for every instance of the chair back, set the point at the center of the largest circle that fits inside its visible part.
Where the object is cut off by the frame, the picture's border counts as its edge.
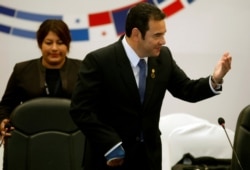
(45, 137)
(242, 141)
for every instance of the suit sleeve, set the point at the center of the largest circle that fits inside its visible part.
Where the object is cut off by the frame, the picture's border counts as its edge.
(11, 97)
(85, 100)
(184, 88)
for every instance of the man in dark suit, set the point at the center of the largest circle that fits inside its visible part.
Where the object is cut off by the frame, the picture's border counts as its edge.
(121, 128)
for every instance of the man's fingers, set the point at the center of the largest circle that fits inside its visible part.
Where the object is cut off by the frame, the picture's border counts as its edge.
(115, 162)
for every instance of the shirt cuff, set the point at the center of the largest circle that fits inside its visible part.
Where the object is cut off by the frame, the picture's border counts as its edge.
(216, 90)
(115, 152)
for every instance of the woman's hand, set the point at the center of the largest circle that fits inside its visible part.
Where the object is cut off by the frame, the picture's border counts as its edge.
(5, 128)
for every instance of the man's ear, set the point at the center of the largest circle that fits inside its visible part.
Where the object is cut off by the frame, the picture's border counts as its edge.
(136, 34)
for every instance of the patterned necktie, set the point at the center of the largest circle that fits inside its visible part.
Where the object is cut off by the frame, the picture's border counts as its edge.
(142, 78)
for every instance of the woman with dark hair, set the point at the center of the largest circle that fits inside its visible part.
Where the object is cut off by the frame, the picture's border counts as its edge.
(51, 75)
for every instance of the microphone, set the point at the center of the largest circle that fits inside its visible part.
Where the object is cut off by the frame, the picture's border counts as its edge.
(221, 122)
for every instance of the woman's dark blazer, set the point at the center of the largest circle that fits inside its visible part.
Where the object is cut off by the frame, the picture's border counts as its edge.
(27, 81)
(106, 102)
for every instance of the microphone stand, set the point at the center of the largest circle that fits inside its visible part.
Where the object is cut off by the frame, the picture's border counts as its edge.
(221, 122)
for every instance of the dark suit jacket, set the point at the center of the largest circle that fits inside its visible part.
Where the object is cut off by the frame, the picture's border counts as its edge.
(27, 81)
(106, 102)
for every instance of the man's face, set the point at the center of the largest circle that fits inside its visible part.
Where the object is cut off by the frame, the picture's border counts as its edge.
(154, 39)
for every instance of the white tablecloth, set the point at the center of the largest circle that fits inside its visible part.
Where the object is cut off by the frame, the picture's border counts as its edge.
(183, 133)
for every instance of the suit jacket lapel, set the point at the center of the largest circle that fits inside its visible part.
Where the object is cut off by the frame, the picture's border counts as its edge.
(126, 73)
(153, 70)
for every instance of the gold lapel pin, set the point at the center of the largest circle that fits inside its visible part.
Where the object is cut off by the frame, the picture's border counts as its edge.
(153, 73)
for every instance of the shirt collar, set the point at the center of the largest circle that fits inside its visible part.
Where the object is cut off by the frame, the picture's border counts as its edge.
(132, 56)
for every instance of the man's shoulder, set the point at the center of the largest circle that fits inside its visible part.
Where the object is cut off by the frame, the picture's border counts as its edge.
(117, 45)
(165, 49)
